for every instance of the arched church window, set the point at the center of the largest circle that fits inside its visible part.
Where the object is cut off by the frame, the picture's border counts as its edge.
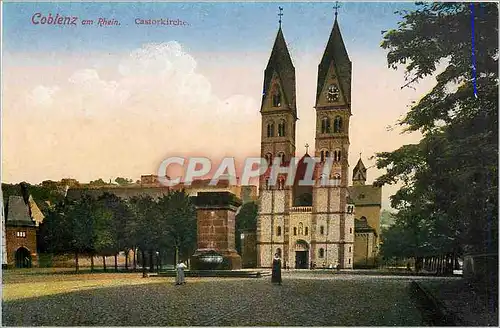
(322, 156)
(270, 129)
(337, 124)
(306, 231)
(322, 230)
(295, 231)
(321, 253)
(281, 128)
(278, 231)
(327, 154)
(349, 249)
(276, 98)
(336, 155)
(337, 179)
(301, 228)
(325, 125)
(269, 158)
(282, 156)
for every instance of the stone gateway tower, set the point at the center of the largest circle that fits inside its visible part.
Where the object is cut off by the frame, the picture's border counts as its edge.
(307, 225)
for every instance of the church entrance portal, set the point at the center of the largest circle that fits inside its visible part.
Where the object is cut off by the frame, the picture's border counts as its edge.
(301, 260)
(301, 254)
(23, 258)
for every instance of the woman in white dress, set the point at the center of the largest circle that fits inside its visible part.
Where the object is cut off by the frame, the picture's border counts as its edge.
(180, 280)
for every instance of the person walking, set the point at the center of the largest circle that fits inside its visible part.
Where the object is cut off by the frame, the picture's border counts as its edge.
(180, 278)
(276, 272)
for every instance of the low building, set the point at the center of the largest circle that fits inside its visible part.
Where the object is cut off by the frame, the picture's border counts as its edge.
(368, 201)
(365, 244)
(21, 231)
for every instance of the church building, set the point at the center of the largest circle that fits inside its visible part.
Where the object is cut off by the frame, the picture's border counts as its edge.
(311, 225)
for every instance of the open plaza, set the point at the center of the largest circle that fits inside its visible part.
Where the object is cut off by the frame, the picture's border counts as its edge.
(58, 298)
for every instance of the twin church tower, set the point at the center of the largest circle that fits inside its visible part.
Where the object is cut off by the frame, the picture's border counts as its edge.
(307, 225)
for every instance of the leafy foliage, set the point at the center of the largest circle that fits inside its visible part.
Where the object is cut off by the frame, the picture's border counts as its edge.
(246, 219)
(123, 181)
(449, 199)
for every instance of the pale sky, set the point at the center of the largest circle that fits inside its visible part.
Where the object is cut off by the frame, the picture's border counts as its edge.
(91, 102)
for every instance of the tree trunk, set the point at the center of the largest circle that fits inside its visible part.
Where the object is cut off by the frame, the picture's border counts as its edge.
(159, 262)
(151, 263)
(116, 263)
(104, 262)
(176, 255)
(135, 258)
(91, 262)
(143, 264)
(126, 259)
(76, 262)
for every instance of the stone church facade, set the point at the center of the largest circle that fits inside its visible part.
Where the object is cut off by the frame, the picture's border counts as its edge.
(309, 225)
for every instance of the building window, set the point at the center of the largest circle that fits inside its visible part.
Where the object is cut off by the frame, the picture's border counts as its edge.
(349, 249)
(322, 230)
(325, 125)
(278, 231)
(281, 155)
(321, 253)
(349, 261)
(269, 158)
(350, 230)
(307, 231)
(301, 228)
(337, 124)
(21, 234)
(327, 154)
(281, 129)
(336, 155)
(295, 231)
(270, 129)
(322, 156)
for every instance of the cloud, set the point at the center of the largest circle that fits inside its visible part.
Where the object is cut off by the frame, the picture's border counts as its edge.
(42, 96)
(154, 104)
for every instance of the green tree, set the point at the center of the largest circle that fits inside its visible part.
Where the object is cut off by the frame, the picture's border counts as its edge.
(81, 220)
(145, 216)
(98, 182)
(179, 223)
(246, 220)
(123, 181)
(56, 232)
(449, 198)
(116, 223)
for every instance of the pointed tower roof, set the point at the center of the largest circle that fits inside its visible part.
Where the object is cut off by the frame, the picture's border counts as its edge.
(281, 63)
(335, 51)
(359, 169)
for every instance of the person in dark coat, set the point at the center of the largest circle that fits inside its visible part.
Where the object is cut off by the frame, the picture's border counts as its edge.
(276, 273)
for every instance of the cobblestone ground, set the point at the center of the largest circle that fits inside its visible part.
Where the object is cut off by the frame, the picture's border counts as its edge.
(311, 300)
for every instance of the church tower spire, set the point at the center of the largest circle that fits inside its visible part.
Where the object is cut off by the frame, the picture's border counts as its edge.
(333, 111)
(278, 107)
(333, 104)
(359, 174)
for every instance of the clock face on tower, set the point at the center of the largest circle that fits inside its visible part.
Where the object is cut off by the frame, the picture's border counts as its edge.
(333, 93)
